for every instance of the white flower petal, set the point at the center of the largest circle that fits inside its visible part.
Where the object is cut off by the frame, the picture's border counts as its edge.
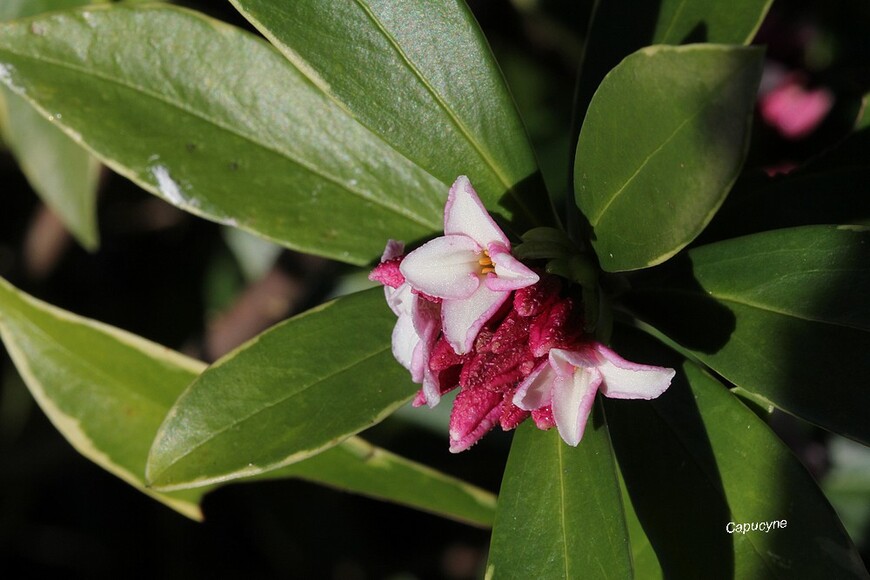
(426, 318)
(510, 273)
(462, 319)
(627, 380)
(465, 214)
(400, 300)
(405, 341)
(446, 267)
(536, 390)
(564, 362)
(573, 398)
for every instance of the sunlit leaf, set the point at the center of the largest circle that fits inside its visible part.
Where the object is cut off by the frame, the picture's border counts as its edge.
(217, 122)
(421, 76)
(362, 468)
(662, 144)
(108, 391)
(559, 510)
(293, 391)
(105, 390)
(12, 9)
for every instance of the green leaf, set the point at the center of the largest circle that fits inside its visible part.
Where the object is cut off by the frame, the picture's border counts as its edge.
(620, 27)
(782, 314)
(63, 174)
(12, 9)
(680, 22)
(421, 76)
(217, 122)
(108, 391)
(662, 144)
(295, 390)
(559, 511)
(105, 390)
(357, 466)
(696, 459)
(643, 556)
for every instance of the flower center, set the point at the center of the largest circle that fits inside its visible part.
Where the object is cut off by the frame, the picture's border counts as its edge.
(486, 263)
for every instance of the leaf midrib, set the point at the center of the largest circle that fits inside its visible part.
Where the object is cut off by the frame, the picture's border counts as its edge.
(749, 304)
(214, 434)
(562, 504)
(397, 209)
(454, 118)
(677, 13)
(713, 94)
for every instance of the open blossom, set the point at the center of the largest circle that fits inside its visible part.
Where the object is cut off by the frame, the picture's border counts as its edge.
(569, 380)
(470, 268)
(511, 339)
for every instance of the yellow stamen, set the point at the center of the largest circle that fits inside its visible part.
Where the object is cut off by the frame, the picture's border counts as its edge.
(486, 263)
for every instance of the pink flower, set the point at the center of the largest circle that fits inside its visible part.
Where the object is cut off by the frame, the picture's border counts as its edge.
(568, 381)
(792, 109)
(470, 267)
(418, 324)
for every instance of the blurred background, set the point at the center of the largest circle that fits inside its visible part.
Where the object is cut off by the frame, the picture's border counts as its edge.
(203, 289)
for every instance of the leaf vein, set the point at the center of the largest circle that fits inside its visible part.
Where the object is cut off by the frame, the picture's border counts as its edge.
(212, 435)
(454, 118)
(397, 209)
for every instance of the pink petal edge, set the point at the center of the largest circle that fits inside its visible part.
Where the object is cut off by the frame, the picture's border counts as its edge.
(463, 319)
(465, 214)
(624, 379)
(446, 267)
(510, 274)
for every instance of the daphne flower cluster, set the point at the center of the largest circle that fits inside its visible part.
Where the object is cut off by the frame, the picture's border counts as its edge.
(472, 316)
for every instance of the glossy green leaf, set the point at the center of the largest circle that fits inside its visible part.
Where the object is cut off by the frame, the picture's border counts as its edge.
(362, 468)
(620, 27)
(559, 510)
(108, 391)
(12, 9)
(295, 390)
(105, 390)
(421, 76)
(215, 121)
(662, 144)
(697, 462)
(62, 173)
(782, 314)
